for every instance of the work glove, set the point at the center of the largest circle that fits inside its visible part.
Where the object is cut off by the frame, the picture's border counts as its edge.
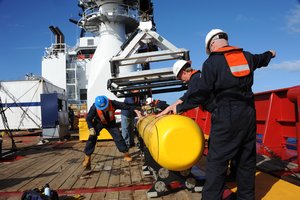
(92, 131)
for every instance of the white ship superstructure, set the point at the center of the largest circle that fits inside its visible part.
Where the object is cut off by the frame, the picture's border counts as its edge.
(85, 69)
(122, 42)
(67, 67)
(112, 21)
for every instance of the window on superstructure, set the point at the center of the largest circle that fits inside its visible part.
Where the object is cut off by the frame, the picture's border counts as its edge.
(90, 42)
(83, 94)
(71, 91)
(71, 76)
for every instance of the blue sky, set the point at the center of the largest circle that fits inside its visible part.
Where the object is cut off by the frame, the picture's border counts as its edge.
(254, 25)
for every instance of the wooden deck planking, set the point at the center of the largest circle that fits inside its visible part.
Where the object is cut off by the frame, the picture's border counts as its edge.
(60, 165)
(49, 174)
(114, 178)
(140, 194)
(136, 172)
(27, 159)
(105, 173)
(98, 195)
(112, 195)
(15, 167)
(10, 198)
(125, 178)
(97, 166)
(67, 169)
(28, 174)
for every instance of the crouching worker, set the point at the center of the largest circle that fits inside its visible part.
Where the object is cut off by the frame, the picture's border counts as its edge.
(102, 115)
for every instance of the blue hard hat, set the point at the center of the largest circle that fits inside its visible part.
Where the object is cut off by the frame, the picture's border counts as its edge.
(101, 102)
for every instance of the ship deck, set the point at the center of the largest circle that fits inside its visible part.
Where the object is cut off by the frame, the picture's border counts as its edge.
(59, 164)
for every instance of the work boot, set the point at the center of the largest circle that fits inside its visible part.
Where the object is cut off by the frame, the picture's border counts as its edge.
(87, 161)
(127, 157)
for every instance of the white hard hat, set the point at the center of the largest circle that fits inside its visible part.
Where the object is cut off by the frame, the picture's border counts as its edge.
(210, 35)
(178, 65)
(149, 100)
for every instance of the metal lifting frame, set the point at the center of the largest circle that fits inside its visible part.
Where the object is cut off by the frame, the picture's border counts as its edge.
(151, 81)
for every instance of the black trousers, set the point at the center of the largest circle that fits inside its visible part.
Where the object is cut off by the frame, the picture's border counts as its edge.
(232, 137)
(116, 135)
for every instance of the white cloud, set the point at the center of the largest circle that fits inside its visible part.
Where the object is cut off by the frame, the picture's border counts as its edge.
(293, 20)
(292, 66)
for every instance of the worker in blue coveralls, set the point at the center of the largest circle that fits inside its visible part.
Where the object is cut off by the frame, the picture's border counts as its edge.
(227, 75)
(183, 71)
(128, 121)
(102, 115)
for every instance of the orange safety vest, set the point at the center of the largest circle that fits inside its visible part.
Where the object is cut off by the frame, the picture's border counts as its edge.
(111, 113)
(236, 61)
(194, 72)
(136, 100)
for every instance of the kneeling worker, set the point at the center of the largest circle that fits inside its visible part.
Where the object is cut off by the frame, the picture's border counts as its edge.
(102, 115)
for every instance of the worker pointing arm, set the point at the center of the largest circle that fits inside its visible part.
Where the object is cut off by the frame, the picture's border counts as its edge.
(227, 75)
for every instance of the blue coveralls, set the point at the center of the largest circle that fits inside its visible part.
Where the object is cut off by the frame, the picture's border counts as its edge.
(233, 123)
(93, 121)
(192, 86)
(127, 121)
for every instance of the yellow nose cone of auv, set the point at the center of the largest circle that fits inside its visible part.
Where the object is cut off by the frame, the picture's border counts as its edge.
(175, 142)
